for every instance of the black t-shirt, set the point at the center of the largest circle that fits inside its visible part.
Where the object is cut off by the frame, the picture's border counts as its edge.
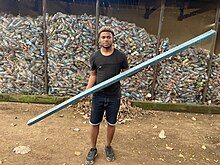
(107, 67)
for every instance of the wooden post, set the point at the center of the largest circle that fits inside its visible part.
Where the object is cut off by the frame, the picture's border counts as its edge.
(212, 51)
(45, 48)
(97, 25)
(156, 67)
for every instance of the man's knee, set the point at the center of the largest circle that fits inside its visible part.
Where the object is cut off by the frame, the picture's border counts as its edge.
(111, 124)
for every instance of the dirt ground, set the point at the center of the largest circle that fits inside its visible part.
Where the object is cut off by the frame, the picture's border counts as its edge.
(190, 138)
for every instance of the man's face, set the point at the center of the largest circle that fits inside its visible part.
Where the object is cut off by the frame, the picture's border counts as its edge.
(106, 39)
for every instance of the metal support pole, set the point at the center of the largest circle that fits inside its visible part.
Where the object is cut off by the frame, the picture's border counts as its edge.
(97, 24)
(212, 51)
(45, 48)
(138, 4)
(156, 67)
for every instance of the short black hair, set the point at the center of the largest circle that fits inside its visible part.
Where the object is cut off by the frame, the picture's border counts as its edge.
(105, 29)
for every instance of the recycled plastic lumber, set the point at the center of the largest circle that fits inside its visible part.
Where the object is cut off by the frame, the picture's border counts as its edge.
(123, 75)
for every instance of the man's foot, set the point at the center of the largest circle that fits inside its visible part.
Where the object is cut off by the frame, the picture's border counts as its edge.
(110, 156)
(91, 156)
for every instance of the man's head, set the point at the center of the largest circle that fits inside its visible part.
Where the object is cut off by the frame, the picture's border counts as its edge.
(106, 36)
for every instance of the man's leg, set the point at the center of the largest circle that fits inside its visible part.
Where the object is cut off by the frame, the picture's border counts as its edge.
(111, 117)
(94, 132)
(95, 120)
(110, 134)
(110, 156)
(181, 9)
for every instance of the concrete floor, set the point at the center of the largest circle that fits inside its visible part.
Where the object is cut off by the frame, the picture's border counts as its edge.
(176, 31)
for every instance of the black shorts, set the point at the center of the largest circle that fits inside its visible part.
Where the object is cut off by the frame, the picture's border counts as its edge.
(108, 104)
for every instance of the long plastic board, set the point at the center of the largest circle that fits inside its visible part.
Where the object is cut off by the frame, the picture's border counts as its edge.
(123, 75)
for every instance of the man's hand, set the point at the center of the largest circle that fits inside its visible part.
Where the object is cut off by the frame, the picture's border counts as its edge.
(92, 80)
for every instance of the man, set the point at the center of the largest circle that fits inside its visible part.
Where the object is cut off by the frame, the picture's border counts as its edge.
(105, 63)
(182, 4)
(150, 7)
(105, 7)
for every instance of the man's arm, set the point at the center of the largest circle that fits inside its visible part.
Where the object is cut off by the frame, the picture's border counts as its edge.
(125, 65)
(123, 70)
(92, 79)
